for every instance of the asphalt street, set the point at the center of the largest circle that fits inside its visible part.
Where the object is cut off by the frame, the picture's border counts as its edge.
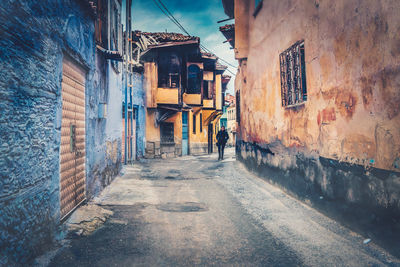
(197, 211)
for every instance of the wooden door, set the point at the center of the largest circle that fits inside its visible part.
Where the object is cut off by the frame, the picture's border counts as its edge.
(72, 150)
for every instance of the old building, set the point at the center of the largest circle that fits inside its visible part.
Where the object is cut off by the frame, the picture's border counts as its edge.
(231, 123)
(318, 98)
(60, 124)
(133, 143)
(184, 95)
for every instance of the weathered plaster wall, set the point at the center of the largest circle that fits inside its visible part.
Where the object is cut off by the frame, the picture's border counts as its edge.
(138, 93)
(34, 36)
(150, 83)
(33, 39)
(352, 64)
(198, 142)
(103, 135)
(353, 80)
(218, 92)
(154, 148)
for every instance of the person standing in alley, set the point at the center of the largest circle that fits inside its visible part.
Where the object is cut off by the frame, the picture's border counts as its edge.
(222, 138)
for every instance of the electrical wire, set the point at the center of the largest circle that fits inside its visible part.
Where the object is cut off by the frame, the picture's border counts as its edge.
(169, 15)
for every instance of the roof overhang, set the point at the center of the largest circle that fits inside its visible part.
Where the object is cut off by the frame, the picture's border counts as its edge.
(169, 44)
(229, 33)
(229, 8)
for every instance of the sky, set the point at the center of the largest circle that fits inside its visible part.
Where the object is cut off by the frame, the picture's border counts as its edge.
(198, 17)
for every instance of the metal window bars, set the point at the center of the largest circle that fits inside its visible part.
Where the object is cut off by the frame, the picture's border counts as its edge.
(293, 80)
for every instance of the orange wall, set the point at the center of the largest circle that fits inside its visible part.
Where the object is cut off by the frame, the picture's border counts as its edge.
(353, 78)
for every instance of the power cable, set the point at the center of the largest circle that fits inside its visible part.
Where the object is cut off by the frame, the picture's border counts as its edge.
(169, 15)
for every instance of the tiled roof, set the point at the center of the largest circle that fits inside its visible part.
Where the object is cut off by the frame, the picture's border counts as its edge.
(226, 28)
(163, 37)
(220, 66)
(206, 54)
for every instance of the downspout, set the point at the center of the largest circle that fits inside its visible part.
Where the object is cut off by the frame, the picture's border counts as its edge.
(124, 78)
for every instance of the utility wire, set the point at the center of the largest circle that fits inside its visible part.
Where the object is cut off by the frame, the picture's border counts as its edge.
(169, 15)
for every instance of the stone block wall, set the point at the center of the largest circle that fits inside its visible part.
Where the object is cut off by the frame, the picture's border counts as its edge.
(198, 148)
(34, 38)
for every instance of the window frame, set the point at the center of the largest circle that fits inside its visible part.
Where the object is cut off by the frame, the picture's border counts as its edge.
(169, 139)
(293, 75)
(164, 70)
(199, 79)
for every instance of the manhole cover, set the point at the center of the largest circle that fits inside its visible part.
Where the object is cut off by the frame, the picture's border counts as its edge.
(182, 207)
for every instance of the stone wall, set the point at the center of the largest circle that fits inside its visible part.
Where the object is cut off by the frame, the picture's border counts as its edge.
(198, 148)
(34, 38)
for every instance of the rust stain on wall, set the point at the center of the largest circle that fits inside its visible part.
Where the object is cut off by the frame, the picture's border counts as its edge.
(346, 104)
(367, 86)
(389, 84)
(326, 116)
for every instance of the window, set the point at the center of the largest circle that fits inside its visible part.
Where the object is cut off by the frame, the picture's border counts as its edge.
(293, 75)
(208, 89)
(116, 32)
(168, 70)
(167, 133)
(194, 123)
(194, 79)
(238, 107)
(201, 122)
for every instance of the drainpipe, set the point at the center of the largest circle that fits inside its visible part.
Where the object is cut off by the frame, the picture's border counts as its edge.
(125, 78)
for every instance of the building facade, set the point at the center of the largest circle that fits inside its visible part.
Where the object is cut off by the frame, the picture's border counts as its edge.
(60, 87)
(317, 94)
(231, 123)
(184, 92)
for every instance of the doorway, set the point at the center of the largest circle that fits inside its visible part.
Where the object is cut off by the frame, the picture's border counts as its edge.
(185, 133)
(210, 138)
(72, 146)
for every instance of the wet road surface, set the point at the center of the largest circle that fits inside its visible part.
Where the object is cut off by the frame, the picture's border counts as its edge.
(198, 211)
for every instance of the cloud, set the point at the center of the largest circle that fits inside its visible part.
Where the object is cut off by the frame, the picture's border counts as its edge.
(199, 18)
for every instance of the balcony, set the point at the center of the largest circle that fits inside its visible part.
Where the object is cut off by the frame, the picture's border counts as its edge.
(167, 96)
(192, 99)
(208, 103)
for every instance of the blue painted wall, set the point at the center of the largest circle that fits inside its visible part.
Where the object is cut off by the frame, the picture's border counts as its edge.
(137, 100)
(34, 36)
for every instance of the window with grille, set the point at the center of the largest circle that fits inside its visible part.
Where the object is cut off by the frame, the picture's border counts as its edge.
(167, 133)
(293, 75)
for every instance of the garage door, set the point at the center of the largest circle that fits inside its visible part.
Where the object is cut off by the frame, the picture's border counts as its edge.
(72, 151)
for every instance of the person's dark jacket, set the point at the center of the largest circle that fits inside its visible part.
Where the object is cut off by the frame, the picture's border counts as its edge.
(222, 137)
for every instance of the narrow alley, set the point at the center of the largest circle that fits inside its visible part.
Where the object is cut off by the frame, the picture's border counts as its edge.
(199, 211)
(115, 114)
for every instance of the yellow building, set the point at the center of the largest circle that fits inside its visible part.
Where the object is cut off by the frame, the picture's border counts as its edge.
(184, 95)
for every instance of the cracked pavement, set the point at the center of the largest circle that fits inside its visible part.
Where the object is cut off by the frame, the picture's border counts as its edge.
(198, 211)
